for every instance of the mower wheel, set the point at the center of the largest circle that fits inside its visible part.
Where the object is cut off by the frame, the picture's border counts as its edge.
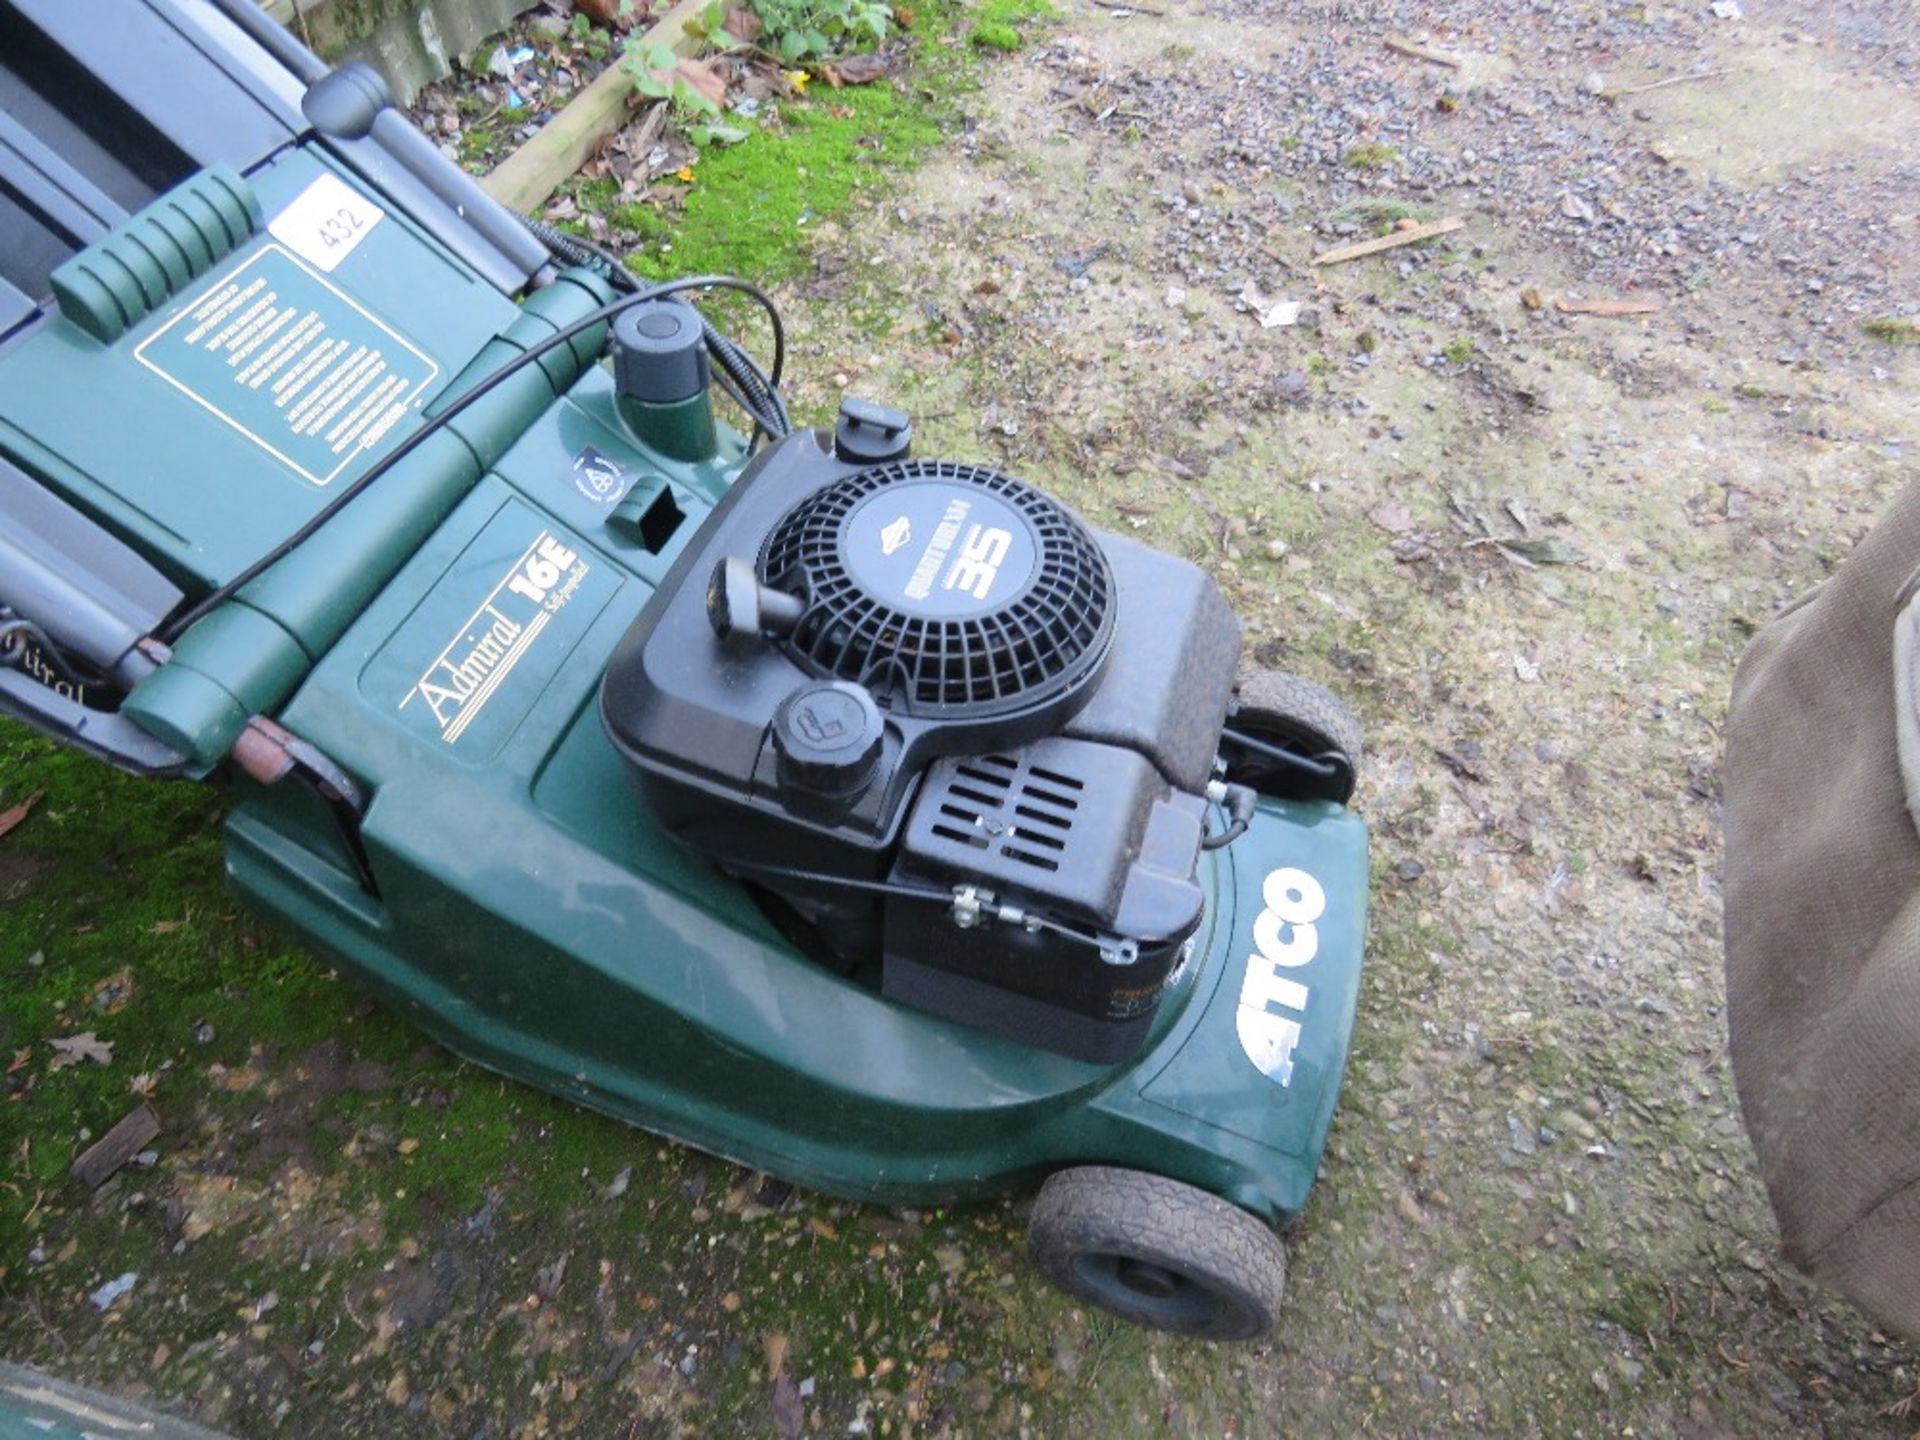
(1283, 712)
(1158, 1253)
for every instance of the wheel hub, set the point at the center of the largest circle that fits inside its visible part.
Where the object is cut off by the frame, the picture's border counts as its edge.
(1145, 1278)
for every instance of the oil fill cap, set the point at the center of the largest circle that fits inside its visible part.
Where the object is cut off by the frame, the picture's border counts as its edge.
(828, 735)
(869, 433)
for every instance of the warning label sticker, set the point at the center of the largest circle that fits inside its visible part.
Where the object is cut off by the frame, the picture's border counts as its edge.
(292, 363)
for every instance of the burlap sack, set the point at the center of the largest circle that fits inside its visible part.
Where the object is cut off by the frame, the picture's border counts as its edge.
(1823, 920)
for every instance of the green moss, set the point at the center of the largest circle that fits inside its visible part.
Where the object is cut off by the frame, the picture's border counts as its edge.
(751, 208)
(997, 23)
(1382, 214)
(118, 923)
(1894, 330)
(1459, 350)
(1370, 155)
(1016, 12)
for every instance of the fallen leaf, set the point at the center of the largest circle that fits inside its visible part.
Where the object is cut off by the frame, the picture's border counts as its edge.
(546, 1284)
(856, 70)
(144, 1084)
(213, 1203)
(789, 1413)
(1392, 517)
(775, 1347)
(1532, 298)
(702, 78)
(824, 1229)
(111, 995)
(730, 1301)
(11, 817)
(74, 1049)
(743, 25)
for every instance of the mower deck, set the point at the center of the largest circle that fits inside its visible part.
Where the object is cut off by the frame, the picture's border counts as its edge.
(528, 913)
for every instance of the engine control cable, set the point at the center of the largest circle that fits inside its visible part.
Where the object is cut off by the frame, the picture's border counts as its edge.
(738, 375)
(967, 904)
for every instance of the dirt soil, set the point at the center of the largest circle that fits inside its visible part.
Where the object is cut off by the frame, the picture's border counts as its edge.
(1527, 546)
(1539, 1214)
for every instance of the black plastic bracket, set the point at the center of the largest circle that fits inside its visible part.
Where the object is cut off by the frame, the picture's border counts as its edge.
(869, 433)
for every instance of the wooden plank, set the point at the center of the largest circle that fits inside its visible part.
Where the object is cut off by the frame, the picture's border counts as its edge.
(1412, 235)
(1400, 45)
(1686, 79)
(523, 181)
(1567, 305)
(106, 1155)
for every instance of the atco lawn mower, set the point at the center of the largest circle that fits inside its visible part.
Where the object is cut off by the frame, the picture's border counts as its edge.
(862, 817)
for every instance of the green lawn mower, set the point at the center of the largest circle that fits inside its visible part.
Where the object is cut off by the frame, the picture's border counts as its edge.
(861, 817)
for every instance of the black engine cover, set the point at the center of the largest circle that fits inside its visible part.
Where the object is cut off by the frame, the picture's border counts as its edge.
(1044, 703)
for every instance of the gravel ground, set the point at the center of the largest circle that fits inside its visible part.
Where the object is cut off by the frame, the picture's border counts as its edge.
(1539, 1214)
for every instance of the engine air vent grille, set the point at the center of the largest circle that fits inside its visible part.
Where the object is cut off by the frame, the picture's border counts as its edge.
(944, 588)
(992, 803)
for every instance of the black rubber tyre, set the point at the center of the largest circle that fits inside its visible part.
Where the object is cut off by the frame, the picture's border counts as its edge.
(1158, 1253)
(1293, 714)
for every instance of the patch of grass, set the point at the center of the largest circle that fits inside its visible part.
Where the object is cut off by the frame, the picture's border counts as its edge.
(1894, 330)
(119, 924)
(751, 206)
(1370, 155)
(1382, 214)
(999, 22)
(1459, 350)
